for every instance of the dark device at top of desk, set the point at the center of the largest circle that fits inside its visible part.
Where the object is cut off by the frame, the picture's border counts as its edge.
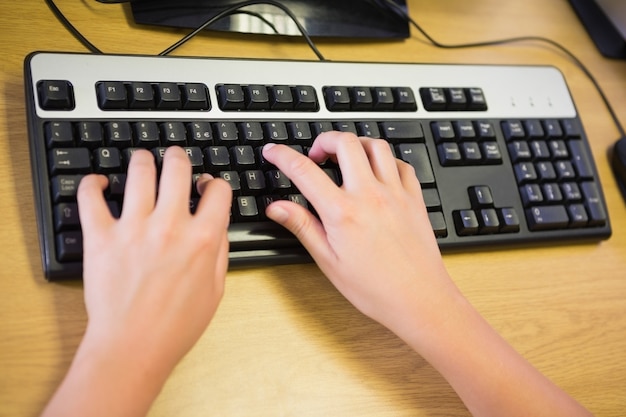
(605, 20)
(321, 18)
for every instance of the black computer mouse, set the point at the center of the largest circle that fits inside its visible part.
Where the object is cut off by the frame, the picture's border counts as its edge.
(618, 162)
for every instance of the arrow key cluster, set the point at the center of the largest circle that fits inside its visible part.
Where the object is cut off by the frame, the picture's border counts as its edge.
(484, 217)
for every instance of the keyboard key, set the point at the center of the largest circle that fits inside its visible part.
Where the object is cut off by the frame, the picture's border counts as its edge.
(112, 95)
(233, 179)
(491, 152)
(59, 134)
(434, 99)
(456, 99)
(276, 132)
(593, 202)
(581, 161)
(402, 131)
(168, 96)
(226, 133)
(217, 158)
(466, 222)
(488, 221)
(416, 155)
(449, 154)
(476, 99)
(578, 215)
(230, 97)
(443, 131)
(253, 182)
(362, 98)
(281, 97)
(69, 161)
(246, 208)
(431, 199)
(513, 129)
(141, 96)
(305, 98)
(509, 220)
(173, 133)
(300, 132)
(66, 216)
(89, 134)
(337, 98)
(65, 187)
(243, 157)
(55, 95)
(383, 98)
(278, 182)
(369, 129)
(404, 99)
(69, 246)
(118, 134)
(256, 97)
(107, 160)
(480, 196)
(194, 97)
(547, 218)
(438, 223)
(251, 133)
(146, 135)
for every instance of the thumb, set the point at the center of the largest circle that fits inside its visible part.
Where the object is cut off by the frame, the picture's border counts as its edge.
(303, 224)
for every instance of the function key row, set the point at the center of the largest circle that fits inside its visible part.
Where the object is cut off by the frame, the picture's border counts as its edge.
(118, 95)
(342, 98)
(238, 97)
(453, 99)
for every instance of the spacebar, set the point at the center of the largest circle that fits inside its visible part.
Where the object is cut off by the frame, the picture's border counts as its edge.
(260, 235)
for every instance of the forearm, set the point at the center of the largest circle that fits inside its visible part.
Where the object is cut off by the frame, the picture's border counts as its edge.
(109, 380)
(490, 377)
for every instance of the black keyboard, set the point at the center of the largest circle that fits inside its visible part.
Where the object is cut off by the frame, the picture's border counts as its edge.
(500, 151)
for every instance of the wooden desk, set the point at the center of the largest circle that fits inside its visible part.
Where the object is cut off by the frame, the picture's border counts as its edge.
(284, 343)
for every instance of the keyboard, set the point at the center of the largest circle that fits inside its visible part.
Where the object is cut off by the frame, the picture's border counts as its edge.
(500, 151)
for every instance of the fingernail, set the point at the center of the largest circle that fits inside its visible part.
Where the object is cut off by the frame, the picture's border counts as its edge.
(202, 181)
(268, 146)
(277, 213)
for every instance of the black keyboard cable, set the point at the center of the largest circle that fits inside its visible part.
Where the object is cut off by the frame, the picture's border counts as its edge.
(234, 9)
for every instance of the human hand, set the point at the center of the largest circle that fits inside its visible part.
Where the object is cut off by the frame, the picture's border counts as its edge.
(373, 239)
(154, 277)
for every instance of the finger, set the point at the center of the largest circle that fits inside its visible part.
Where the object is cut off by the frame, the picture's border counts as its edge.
(202, 182)
(304, 225)
(351, 156)
(175, 182)
(313, 183)
(411, 184)
(382, 161)
(215, 202)
(140, 188)
(93, 210)
(408, 177)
